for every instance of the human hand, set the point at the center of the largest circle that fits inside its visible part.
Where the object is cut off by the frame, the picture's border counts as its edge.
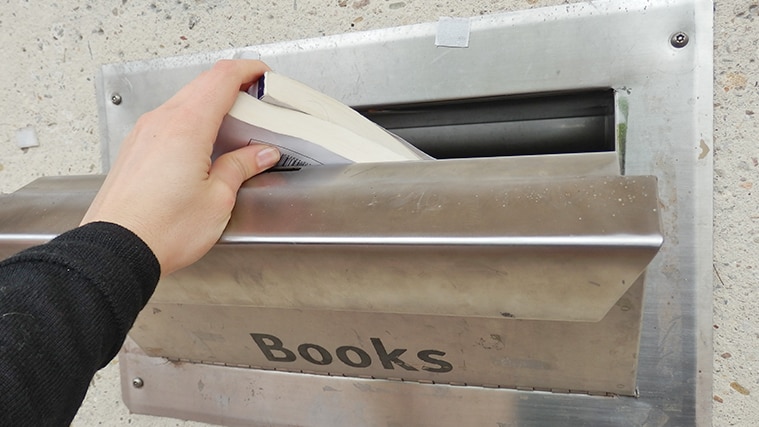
(163, 185)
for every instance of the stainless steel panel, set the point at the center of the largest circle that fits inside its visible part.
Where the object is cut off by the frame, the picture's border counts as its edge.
(453, 350)
(664, 129)
(456, 237)
(234, 396)
(512, 239)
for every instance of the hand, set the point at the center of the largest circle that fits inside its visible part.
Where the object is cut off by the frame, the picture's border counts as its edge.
(163, 185)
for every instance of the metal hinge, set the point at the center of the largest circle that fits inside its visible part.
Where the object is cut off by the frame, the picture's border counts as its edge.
(400, 379)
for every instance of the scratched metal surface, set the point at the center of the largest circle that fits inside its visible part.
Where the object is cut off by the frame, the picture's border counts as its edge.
(666, 132)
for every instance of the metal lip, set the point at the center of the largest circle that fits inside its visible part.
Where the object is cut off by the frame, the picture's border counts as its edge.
(621, 240)
(24, 237)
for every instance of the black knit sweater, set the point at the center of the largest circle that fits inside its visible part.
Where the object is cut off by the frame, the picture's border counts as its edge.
(65, 309)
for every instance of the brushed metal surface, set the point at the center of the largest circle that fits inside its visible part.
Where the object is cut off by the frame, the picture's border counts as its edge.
(234, 396)
(517, 274)
(563, 356)
(463, 237)
(455, 237)
(664, 129)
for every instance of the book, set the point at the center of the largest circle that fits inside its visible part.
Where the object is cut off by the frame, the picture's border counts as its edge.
(307, 126)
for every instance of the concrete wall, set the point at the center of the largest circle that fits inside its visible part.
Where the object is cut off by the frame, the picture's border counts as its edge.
(51, 52)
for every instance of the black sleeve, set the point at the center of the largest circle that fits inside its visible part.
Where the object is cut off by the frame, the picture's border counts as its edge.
(65, 309)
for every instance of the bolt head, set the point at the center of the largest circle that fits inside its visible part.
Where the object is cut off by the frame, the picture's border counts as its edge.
(137, 382)
(679, 39)
(116, 99)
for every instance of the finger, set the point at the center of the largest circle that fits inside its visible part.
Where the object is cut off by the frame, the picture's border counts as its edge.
(237, 166)
(214, 91)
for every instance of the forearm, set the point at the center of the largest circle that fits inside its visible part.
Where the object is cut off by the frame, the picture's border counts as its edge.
(65, 309)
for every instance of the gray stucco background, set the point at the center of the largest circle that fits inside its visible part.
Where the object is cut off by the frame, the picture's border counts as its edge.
(51, 52)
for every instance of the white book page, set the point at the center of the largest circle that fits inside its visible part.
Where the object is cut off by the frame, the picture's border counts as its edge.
(285, 92)
(295, 152)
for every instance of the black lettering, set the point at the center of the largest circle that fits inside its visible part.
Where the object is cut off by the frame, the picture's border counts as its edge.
(388, 359)
(274, 350)
(342, 354)
(326, 358)
(425, 356)
(274, 344)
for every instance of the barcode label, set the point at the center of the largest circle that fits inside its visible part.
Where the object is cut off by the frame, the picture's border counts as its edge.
(288, 160)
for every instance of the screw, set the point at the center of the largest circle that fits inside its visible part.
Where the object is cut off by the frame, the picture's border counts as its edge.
(679, 40)
(116, 99)
(137, 382)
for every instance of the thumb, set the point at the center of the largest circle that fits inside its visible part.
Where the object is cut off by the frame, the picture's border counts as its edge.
(237, 166)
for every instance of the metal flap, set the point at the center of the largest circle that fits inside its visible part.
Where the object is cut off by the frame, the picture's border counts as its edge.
(469, 237)
(457, 237)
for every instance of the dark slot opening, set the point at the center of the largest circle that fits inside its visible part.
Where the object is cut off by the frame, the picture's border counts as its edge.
(553, 123)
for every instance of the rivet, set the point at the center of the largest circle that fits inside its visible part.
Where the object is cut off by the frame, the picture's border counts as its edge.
(116, 99)
(137, 382)
(679, 39)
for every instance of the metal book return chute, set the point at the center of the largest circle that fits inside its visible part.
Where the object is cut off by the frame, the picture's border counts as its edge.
(550, 268)
(475, 245)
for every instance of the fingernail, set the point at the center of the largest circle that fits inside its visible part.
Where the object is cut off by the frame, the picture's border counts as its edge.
(267, 157)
